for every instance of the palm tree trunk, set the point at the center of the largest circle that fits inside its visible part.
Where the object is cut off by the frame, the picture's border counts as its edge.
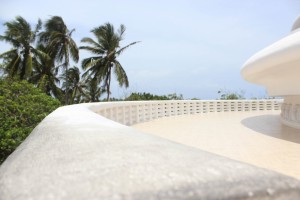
(67, 86)
(108, 84)
(24, 65)
(108, 89)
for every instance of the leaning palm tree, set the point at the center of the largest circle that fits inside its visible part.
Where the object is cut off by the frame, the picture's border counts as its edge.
(106, 49)
(60, 44)
(19, 59)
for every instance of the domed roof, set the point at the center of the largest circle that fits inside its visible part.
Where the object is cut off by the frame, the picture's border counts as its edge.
(296, 24)
(277, 66)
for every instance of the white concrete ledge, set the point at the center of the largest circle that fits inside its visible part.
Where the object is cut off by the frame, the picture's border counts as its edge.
(75, 153)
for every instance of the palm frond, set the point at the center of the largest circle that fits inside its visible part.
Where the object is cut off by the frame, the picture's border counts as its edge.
(9, 53)
(41, 54)
(92, 42)
(123, 48)
(121, 74)
(89, 62)
(11, 40)
(13, 66)
(73, 49)
(121, 31)
(56, 23)
(38, 27)
(92, 49)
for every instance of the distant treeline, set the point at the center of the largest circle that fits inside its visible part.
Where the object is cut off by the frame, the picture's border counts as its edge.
(139, 96)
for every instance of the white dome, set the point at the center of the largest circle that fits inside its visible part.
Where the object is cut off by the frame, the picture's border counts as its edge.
(296, 24)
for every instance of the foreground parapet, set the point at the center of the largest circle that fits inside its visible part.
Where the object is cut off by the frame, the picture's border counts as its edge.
(75, 154)
(277, 67)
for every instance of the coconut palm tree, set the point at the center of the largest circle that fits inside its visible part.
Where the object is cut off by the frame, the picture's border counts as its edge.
(19, 59)
(92, 91)
(75, 85)
(106, 49)
(45, 73)
(60, 44)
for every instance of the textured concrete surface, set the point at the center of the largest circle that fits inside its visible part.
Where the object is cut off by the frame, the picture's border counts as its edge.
(77, 154)
(257, 138)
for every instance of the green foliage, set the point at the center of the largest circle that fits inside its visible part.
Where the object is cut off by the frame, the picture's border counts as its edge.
(60, 46)
(106, 49)
(21, 36)
(226, 95)
(92, 91)
(175, 96)
(73, 85)
(45, 74)
(148, 97)
(39, 54)
(22, 107)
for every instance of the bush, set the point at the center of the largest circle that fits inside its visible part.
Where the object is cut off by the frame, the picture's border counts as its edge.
(227, 95)
(148, 97)
(22, 107)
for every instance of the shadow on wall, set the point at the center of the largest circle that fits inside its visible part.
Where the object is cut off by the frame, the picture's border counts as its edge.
(270, 125)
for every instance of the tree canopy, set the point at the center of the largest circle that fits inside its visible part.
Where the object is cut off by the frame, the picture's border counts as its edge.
(19, 59)
(43, 56)
(106, 49)
(22, 107)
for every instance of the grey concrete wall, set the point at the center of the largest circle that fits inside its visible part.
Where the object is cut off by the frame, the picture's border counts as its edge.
(77, 154)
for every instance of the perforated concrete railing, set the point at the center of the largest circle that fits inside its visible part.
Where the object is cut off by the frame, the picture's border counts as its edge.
(129, 113)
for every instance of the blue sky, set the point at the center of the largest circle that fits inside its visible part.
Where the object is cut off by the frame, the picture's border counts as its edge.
(191, 47)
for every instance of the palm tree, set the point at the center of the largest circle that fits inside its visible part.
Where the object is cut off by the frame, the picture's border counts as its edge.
(60, 44)
(19, 59)
(45, 74)
(75, 85)
(92, 91)
(106, 50)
